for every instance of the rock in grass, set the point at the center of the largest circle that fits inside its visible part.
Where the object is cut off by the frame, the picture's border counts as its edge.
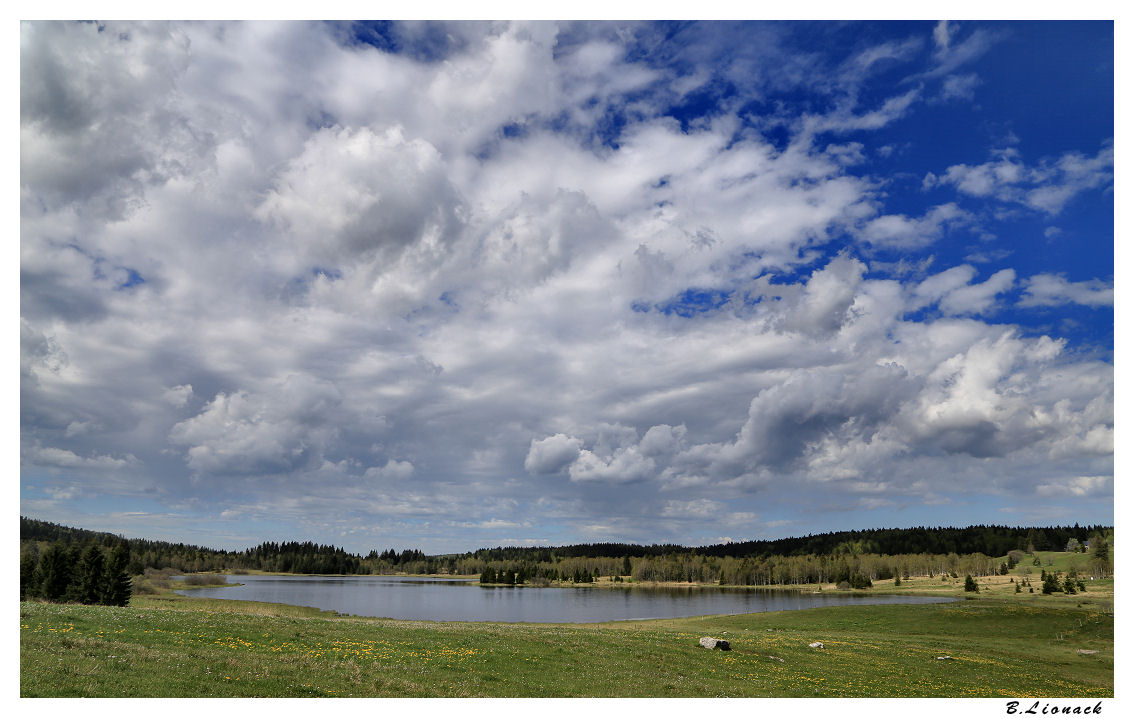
(1086, 652)
(711, 643)
(817, 644)
(944, 658)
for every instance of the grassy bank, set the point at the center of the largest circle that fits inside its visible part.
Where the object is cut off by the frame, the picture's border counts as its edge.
(167, 645)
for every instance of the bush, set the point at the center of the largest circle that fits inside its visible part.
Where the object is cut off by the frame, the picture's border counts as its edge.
(142, 586)
(201, 579)
(843, 586)
(971, 585)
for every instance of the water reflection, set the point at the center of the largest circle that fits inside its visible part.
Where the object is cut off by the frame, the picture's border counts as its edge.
(438, 599)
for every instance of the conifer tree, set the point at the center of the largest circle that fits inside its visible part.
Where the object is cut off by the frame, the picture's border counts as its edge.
(54, 573)
(116, 588)
(1050, 584)
(73, 557)
(970, 584)
(89, 576)
(28, 563)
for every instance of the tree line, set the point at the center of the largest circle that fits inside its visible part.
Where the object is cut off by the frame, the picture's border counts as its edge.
(857, 557)
(74, 572)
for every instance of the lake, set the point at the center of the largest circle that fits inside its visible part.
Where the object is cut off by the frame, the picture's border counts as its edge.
(440, 599)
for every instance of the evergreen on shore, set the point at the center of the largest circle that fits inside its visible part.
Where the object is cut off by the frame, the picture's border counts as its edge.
(74, 573)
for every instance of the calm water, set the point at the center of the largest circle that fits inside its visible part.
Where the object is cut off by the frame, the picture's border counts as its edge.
(434, 599)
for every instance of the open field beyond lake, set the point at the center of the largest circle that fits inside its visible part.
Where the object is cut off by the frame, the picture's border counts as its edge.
(171, 646)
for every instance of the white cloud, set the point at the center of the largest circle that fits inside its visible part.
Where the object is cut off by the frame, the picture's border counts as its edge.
(900, 231)
(827, 298)
(56, 458)
(625, 464)
(552, 454)
(977, 298)
(1045, 290)
(276, 432)
(960, 87)
(1046, 187)
(393, 469)
(295, 275)
(178, 396)
(694, 509)
(355, 196)
(1076, 486)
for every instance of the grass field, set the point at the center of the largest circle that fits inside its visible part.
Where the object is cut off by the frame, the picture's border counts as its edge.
(1000, 645)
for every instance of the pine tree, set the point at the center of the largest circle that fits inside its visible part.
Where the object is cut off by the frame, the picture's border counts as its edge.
(90, 575)
(74, 556)
(116, 587)
(54, 573)
(1050, 584)
(970, 584)
(28, 563)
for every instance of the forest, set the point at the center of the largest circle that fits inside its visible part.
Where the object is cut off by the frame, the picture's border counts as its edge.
(856, 557)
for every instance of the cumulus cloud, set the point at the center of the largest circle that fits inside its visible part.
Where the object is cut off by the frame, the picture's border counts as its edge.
(552, 454)
(625, 464)
(954, 293)
(1052, 290)
(495, 280)
(823, 305)
(900, 231)
(276, 432)
(1046, 187)
(393, 469)
(353, 196)
(1077, 486)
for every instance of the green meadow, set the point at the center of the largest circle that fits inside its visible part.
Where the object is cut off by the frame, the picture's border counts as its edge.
(997, 644)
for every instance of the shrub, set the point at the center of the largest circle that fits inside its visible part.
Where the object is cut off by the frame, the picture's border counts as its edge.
(202, 579)
(142, 586)
(971, 585)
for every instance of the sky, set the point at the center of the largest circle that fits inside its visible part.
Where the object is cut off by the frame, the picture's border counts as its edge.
(452, 285)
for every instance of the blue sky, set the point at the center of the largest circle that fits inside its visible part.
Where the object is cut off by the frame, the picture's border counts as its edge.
(454, 285)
